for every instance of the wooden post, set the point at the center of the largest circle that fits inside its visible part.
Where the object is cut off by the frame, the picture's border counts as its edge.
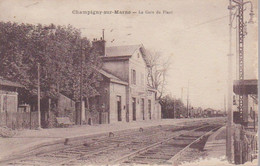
(30, 119)
(39, 97)
(49, 109)
(254, 120)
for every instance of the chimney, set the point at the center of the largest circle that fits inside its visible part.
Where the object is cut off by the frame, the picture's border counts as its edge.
(99, 46)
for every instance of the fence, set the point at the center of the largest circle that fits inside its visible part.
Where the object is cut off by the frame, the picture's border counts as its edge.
(246, 149)
(18, 120)
(94, 117)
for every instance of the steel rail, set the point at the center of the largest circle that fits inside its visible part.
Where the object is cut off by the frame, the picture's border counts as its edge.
(121, 136)
(174, 159)
(136, 153)
(112, 147)
(67, 147)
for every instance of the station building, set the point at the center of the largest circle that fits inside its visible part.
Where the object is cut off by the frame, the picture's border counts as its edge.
(124, 92)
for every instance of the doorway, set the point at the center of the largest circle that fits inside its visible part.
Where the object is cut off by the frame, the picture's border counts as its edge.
(142, 108)
(150, 109)
(119, 110)
(134, 108)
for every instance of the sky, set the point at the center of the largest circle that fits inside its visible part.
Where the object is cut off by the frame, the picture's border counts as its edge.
(194, 33)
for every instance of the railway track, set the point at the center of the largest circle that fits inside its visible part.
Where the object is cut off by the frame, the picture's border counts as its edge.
(163, 152)
(122, 147)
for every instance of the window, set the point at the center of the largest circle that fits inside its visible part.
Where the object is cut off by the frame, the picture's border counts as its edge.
(133, 77)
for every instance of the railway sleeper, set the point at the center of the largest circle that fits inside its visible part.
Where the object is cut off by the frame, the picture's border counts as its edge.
(24, 163)
(56, 156)
(36, 160)
(156, 156)
(137, 162)
(73, 152)
(146, 160)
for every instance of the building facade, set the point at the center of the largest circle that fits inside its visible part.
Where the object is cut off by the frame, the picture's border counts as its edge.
(129, 98)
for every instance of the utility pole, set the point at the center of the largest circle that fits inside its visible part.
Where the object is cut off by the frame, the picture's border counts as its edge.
(103, 34)
(174, 105)
(241, 54)
(39, 96)
(241, 34)
(81, 82)
(229, 149)
(225, 109)
(182, 94)
(188, 99)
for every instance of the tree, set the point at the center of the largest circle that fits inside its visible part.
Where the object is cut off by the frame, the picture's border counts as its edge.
(157, 71)
(172, 107)
(58, 49)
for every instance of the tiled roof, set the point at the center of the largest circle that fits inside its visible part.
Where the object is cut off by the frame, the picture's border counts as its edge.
(112, 77)
(9, 83)
(124, 52)
(121, 50)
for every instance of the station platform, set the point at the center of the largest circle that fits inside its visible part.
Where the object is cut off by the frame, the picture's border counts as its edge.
(27, 140)
(215, 149)
(216, 144)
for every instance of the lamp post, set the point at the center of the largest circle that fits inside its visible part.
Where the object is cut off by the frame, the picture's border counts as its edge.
(239, 5)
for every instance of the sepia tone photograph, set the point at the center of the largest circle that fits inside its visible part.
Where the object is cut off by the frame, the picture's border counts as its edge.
(134, 82)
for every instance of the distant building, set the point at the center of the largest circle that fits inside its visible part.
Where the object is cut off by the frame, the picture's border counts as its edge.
(124, 91)
(8, 95)
(11, 115)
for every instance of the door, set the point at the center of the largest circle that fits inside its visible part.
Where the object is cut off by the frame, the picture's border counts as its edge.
(119, 111)
(134, 108)
(150, 109)
(142, 108)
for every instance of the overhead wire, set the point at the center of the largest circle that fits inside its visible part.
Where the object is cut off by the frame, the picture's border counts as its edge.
(209, 21)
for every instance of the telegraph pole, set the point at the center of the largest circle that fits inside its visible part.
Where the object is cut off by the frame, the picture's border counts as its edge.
(182, 94)
(103, 34)
(188, 99)
(81, 82)
(225, 105)
(39, 95)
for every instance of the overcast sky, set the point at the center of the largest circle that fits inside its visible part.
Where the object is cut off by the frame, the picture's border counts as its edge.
(195, 35)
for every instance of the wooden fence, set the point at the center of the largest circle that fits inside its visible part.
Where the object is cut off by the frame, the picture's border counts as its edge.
(19, 120)
(246, 149)
(94, 117)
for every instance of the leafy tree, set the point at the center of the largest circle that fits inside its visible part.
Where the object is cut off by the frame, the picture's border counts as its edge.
(172, 108)
(61, 52)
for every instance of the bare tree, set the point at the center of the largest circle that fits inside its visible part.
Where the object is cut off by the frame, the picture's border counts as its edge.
(158, 66)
